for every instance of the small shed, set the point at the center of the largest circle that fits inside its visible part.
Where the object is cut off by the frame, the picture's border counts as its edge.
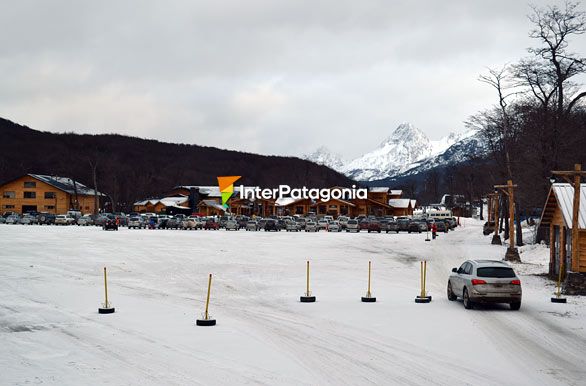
(557, 216)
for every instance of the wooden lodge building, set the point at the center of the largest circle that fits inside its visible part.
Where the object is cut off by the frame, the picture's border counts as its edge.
(557, 216)
(206, 201)
(51, 194)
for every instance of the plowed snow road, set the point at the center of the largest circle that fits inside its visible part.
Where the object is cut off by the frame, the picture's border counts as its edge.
(51, 333)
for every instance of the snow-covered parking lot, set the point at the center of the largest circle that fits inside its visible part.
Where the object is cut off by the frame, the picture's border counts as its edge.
(51, 285)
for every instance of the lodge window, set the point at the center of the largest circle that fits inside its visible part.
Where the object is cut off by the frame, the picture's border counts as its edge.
(299, 210)
(49, 206)
(9, 194)
(30, 184)
(322, 209)
(50, 195)
(30, 195)
(7, 206)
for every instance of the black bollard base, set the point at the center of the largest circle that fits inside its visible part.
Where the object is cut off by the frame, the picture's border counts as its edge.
(205, 322)
(368, 299)
(558, 300)
(423, 299)
(106, 310)
(307, 299)
(496, 239)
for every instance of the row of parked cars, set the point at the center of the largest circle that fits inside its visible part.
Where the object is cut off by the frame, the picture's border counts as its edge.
(291, 223)
(70, 218)
(284, 223)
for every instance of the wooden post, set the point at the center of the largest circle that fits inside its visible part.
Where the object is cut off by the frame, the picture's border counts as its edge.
(511, 214)
(208, 297)
(552, 250)
(562, 262)
(496, 214)
(575, 225)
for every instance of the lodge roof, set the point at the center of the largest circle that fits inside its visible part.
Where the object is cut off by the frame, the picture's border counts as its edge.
(401, 203)
(562, 194)
(66, 184)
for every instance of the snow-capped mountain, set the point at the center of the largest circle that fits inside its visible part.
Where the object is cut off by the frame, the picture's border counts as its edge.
(323, 156)
(406, 151)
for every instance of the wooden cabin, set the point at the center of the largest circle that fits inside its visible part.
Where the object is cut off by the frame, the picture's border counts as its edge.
(334, 207)
(557, 216)
(50, 194)
(402, 206)
(293, 206)
(161, 205)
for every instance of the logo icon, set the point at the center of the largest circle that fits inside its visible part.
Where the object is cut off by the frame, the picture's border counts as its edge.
(226, 185)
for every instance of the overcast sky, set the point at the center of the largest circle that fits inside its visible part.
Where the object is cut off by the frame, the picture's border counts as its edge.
(272, 77)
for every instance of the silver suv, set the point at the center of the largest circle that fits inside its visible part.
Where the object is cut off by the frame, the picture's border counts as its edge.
(485, 281)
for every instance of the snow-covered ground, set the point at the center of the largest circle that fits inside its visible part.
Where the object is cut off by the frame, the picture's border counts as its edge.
(51, 286)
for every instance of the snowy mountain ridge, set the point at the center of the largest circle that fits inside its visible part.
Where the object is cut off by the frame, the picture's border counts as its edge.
(405, 151)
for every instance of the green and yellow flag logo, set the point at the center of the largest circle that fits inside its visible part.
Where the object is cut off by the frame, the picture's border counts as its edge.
(226, 185)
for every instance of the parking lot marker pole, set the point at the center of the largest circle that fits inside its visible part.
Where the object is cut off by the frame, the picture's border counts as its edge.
(423, 298)
(307, 298)
(558, 298)
(369, 298)
(368, 292)
(206, 321)
(106, 309)
(208, 297)
(105, 288)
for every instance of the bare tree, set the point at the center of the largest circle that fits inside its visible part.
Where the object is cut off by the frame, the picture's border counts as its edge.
(549, 73)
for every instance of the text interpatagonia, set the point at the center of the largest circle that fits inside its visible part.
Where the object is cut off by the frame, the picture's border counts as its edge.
(285, 191)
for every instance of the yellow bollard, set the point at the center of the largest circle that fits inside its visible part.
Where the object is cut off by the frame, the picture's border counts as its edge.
(307, 298)
(369, 298)
(423, 297)
(558, 298)
(106, 309)
(206, 321)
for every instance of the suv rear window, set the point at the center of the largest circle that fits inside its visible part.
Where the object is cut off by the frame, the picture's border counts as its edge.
(503, 272)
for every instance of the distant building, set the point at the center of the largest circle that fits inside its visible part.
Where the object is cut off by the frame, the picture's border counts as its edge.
(51, 194)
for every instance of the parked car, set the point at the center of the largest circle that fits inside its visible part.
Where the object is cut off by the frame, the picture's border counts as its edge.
(392, 226)
(211, 224)
(374, 226)
(272, 225)
(343, 221)
(485, 281)
(135, 222)
(28, 219)
(174, 223)
(352, 226)
(441, 226)
(417, 226)
(311, 226)
(403, 223)
(46, 218)
(242, 221)
(232, 225)
(110, 224)
(451, 222)
(64, 219)
(252, 226)
(85, 220)
(292, 226)
(2, 220)
(301, 221)
(334, 226)
(191, 223)
(13, 219)
(323, 224)
(261, 223)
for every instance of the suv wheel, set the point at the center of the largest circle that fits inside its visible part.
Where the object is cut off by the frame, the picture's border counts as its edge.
(468, 304)
(451, 295)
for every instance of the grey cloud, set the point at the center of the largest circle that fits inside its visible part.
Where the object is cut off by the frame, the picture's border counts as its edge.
(276, 77)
